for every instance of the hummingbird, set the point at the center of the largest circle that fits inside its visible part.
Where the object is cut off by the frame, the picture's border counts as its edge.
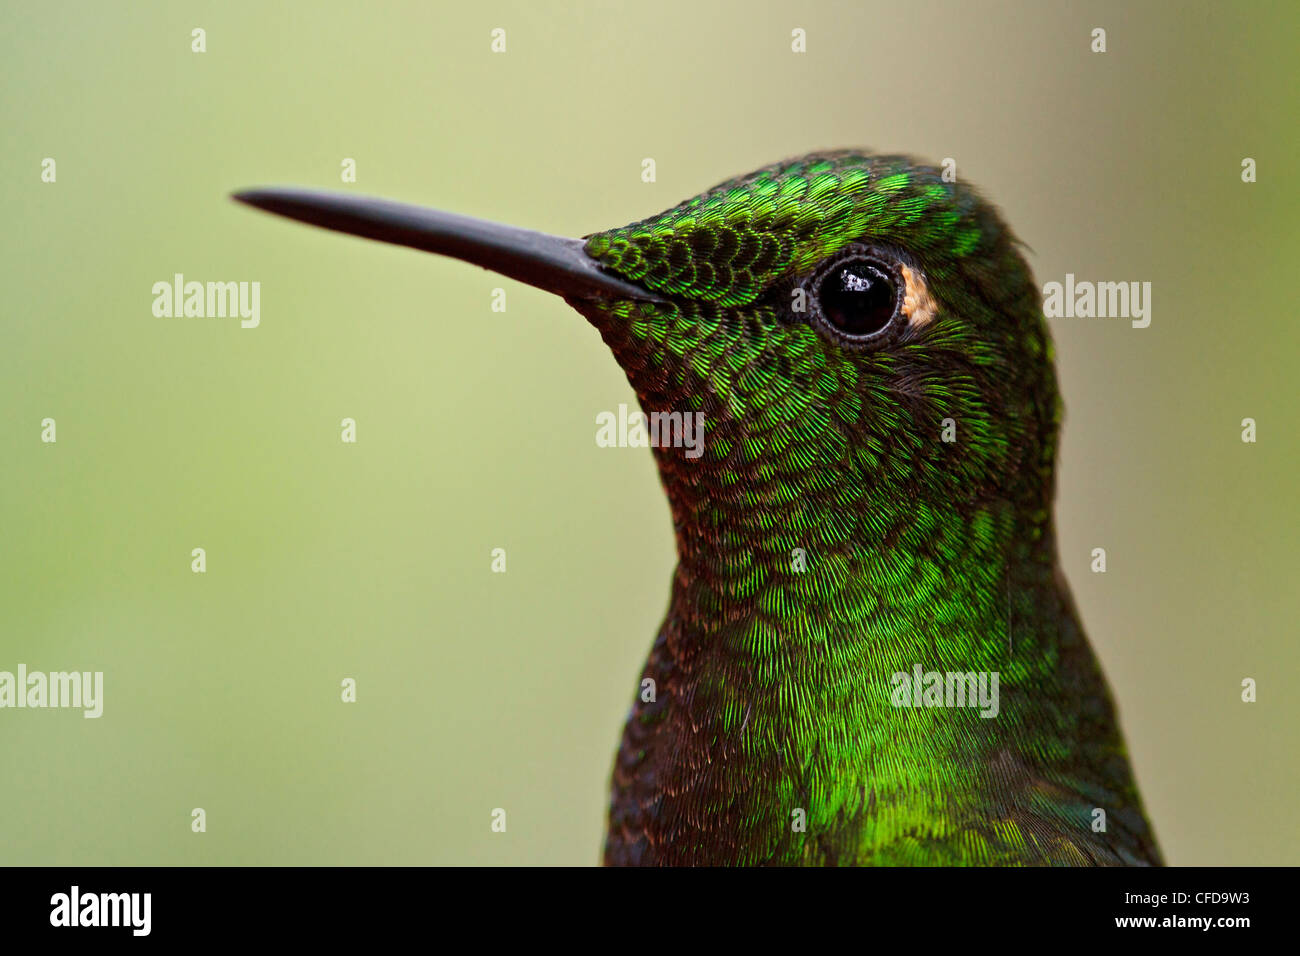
(870, 655)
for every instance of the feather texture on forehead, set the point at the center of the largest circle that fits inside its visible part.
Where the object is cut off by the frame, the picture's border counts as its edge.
(733, 242)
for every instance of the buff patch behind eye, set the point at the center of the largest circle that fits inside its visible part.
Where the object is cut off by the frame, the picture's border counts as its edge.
(919, 306)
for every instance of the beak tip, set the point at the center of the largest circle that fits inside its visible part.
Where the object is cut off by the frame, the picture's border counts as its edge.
(257, 198)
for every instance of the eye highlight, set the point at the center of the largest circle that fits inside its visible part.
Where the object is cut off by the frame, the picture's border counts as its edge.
(857, 299)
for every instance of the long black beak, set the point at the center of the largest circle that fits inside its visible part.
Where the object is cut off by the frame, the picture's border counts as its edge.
(552, 263)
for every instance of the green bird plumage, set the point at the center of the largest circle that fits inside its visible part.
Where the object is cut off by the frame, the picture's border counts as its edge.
(866, 346)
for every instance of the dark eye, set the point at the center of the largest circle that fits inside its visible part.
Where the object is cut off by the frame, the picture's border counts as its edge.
(857, 298)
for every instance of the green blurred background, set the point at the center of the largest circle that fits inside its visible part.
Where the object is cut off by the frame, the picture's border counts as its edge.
(476, 429)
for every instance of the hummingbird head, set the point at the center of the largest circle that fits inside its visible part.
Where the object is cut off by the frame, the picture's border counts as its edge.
(852, 331)
(851, 326)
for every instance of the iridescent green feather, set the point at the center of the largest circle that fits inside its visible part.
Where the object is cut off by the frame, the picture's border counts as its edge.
(773, 684)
